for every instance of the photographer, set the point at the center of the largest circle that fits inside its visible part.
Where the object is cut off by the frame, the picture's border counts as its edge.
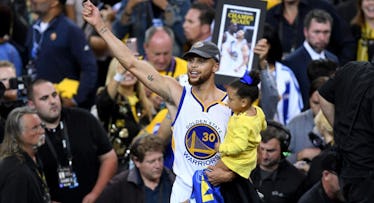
(7, 71)
(12, 91)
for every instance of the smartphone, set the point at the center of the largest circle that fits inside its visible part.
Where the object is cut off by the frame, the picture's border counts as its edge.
(131, 43)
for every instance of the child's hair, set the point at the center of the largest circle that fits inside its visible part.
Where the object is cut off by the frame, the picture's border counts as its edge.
(247, 88)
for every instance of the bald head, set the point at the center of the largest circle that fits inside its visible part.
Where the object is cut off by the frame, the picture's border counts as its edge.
(158, 46)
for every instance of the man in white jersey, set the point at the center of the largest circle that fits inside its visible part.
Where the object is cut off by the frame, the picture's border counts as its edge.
(198, 112)
(201, 119)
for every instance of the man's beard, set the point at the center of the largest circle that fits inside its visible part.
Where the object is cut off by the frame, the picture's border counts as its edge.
(202, 79)
(41, 9)
(40, 142)
(271, 163)
(317, 49)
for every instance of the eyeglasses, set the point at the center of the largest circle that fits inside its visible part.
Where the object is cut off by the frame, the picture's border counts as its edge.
(37, 128)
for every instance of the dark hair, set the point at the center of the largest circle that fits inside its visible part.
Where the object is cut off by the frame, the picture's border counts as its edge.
(145, 143)
(30, 89)
(319, 15)
(321, 67)
(275, 52)
(316, 84)
(6, 19)
(207, 13)
(245, 90)
(359, 18)
(278, 131)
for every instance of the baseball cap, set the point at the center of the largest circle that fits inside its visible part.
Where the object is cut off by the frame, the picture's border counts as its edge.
(204, 49)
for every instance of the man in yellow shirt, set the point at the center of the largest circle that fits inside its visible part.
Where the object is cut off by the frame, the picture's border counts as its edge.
(158, 46)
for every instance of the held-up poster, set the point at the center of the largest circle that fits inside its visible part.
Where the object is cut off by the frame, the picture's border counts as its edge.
(237, 29)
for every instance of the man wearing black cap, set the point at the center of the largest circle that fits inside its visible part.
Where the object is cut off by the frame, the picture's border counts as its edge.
(327, 190)
(198, 111)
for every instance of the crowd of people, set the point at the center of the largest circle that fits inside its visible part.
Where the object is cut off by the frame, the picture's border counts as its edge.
(118, 101)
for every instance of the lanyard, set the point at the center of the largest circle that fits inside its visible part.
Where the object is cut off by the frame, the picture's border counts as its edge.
(37, 168)
(40, 173)
(36, 44)
(37, 30)
(65, 146)
(171, 68)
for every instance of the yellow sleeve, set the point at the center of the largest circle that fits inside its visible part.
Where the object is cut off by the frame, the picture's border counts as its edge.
(240, 139)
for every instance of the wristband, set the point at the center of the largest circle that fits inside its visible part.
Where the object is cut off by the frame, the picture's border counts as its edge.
(118, 77)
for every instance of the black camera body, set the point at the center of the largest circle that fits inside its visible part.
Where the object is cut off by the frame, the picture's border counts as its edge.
(2, 90)
(20, 84)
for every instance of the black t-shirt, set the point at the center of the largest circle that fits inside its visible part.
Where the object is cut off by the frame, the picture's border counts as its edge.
(88, 141)
(19, 181)
(352, 93)
(285, 185)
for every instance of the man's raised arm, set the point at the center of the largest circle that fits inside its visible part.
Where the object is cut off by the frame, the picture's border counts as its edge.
(166, 87)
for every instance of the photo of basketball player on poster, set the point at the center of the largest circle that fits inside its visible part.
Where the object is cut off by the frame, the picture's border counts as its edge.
(236, 33)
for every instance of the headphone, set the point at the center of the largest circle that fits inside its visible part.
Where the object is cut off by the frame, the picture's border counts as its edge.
(284, 137)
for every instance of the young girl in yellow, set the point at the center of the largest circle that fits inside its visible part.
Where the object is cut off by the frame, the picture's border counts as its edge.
(239, 149)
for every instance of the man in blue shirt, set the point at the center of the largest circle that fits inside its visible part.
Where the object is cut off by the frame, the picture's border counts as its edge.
(58, 49)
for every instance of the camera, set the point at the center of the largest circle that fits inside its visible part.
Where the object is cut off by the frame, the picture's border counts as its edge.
(20, 84)
(2, 90)
(316, 140)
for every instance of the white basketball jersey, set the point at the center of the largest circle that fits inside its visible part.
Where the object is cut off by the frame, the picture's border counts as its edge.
(196, 129)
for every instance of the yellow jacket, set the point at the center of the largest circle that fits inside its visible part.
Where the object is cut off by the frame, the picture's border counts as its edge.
(239, 149)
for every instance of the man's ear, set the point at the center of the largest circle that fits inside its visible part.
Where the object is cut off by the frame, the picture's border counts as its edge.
(216, 66)
(145, 46)
(136, 161)
(325, 173)
(305, 31)
(205, 28)
(30, 104)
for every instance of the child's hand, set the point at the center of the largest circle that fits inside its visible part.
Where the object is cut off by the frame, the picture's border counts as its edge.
(216, 147)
